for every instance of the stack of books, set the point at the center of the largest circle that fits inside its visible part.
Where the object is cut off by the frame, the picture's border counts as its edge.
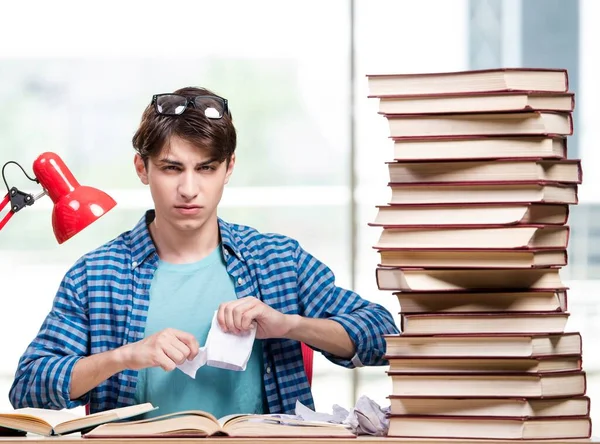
(472, 241)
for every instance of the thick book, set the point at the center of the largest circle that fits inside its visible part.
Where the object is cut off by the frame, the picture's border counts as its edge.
(486, 80)
(200, 424)
(482, 323)
(487, 364)
(479, 102)
(475, 238)
(483, 192)
(546, 170)
(519, 345)
(471, 258)
(61, 422)
(470, 427)
(489, 385)
(458, 280)
(493, 124)
(476, 215)
(515, 407)
(480, 147)
(473, 302)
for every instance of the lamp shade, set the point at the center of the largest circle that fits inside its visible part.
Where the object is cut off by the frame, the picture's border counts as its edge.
(75, 206)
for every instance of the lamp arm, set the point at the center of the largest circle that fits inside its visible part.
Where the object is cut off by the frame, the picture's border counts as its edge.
(17, 198)
(10, 213)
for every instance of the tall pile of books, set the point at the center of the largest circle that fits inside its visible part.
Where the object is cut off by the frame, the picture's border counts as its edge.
(472, 241)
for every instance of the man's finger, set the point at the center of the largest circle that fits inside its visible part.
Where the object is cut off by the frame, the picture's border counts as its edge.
(225, 314)
(175, 354)
(221, 317)
(239, 311)
(189, 341)
(249, 316)
(229, 322)
(166, 363)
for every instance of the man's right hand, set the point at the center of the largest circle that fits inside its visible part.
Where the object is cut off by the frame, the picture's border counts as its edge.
(166, 349)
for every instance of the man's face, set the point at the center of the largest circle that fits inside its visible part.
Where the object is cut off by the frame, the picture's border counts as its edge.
(185, 183)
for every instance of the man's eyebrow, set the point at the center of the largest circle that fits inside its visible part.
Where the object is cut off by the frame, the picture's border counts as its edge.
(168, 161)
(207, 162)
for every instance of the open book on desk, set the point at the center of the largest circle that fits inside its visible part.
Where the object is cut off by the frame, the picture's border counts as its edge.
(199, 424)
(60, 422)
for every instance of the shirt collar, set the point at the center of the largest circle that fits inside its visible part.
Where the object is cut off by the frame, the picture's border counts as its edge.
(229, 241)
(143, 247)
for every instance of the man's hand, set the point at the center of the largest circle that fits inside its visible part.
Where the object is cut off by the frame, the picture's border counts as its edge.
(166, 349)
(238, 316)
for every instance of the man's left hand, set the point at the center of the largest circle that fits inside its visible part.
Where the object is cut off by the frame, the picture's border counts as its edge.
(237, 317)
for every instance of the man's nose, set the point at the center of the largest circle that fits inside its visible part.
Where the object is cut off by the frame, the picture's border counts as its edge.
(188, 186)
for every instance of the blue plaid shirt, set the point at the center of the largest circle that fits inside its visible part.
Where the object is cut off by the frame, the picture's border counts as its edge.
(103, 300)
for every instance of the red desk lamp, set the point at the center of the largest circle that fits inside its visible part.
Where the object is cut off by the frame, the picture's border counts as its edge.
(75, 206)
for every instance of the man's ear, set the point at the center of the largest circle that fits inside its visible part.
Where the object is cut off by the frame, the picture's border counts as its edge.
(230, 168)
(140, 169)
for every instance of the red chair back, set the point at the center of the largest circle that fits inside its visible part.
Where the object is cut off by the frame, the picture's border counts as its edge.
(307, 357)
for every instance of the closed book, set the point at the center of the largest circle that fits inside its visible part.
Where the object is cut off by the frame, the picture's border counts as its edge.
(492, 428)
(486, 80)
(477, 215)
(492, 124)
(566, 171)
(487, 364)
(477, 102)
(489, 385)
(482, 323)
(471, 258)
(515, 407)
(475, 238)
(480, 147)
(469, 302)
(521, 345)
(416, 279)
(483, 192)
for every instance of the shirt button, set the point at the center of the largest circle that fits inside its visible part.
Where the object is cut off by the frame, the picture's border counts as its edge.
(134, 264)
(268, 370)
(240, 281)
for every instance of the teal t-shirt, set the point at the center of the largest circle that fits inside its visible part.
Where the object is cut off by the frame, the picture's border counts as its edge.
(185, 297)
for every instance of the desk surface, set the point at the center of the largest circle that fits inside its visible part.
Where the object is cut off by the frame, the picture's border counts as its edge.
(223, 440)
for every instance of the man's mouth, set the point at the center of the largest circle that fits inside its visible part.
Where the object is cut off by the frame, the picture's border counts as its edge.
(188, 209)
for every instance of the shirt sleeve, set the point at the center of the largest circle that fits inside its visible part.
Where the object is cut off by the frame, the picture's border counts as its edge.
(365, 322)
(43, 377)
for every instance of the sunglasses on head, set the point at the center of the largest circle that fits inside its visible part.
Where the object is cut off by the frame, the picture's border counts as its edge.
(170, 104)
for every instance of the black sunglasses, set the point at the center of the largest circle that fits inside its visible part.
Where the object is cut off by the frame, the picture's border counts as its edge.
(169, 104)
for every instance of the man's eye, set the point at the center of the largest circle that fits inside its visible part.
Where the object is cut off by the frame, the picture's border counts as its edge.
(207, 168)
(171, 168)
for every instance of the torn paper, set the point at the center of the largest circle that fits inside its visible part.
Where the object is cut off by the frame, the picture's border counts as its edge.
(223, 350)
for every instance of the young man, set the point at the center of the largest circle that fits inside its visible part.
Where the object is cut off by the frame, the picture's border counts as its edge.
(127, 313)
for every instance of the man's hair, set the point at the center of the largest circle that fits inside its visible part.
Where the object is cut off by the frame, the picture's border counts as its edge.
(217, 136)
